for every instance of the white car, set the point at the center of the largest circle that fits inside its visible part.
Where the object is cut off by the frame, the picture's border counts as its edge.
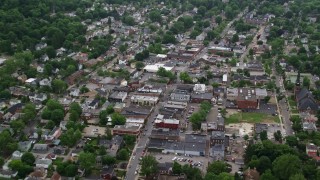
(174, 158)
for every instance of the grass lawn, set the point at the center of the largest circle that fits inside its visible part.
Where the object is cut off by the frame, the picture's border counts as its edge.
(294, 111)
(120, 173)
(251, 118)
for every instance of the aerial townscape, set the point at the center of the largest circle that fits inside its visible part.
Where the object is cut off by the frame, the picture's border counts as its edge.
(160, 89)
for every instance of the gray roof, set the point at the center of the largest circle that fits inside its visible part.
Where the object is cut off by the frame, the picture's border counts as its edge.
(208, 96)
(218, 135)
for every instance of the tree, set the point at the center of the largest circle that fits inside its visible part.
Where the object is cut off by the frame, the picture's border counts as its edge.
(286, 166)
(139, 65)
(268, 175)
(306, 82)
(264, 164)
(149, 166)
(103, 117)
(278, 136)
(7, 144)
(123, 48)
(246, 137)
(59, 86)
(263, 135)
(168, 38)
(297, 177)
(74, 116)
(23, 169)
(86, 160)
(75, 106)
(28, 158)
(118, 119)
(110, 109)
(292, 141)
(108, 160)
(184, 76)
(155, 16)
(217, 167)
(123, 154)
(57, 115)
(17, 125)
(84, 89)
(235, 38)
(176, 168)
(218, 19)
(71, 170)
(129, 139)
(266, 99)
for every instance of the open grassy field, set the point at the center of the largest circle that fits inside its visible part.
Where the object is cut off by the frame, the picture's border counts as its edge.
(251, 118)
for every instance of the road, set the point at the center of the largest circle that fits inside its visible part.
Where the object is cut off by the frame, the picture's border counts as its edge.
(283, 106)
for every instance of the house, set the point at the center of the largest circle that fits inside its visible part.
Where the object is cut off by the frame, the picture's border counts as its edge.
(8, 174)
(38, 174)
(43, 163)
(199, 88)
(38, 97)
(53, 135)
(16, 108)
(31, 81)
(251, 174)
(24, 146)
(45, 82)
(115, 144)
(94, 104)
(74, 77)
(16, 155)
(56, 176)
(165, 168)
(40, 148)
(312, 151)
(40, 68)
(107, 173)
(75, 92)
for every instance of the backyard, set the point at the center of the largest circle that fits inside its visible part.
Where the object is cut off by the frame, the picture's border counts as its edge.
(251, 117)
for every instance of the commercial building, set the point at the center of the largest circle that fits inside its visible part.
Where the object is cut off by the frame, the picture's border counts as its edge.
(127, 129)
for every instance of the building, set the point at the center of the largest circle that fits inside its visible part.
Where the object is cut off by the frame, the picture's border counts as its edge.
(180, 95)
(201, 97)
(73, 78)
(222, 51)
(247, 99)
(306, 102)
(117, 96)
(192, 145)
(217, 137)
(145, 99)
(127, 129)
(160, 122)
(153, 68)
(165, 133)
(217, 152)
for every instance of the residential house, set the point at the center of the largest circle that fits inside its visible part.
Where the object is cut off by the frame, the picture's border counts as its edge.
(45, 82)
(74, 77)
(107, 173)
(251, 174)
(75, 92)
(312, 151)
(24, 146)
(165, 168)
(8, 174)
(53, 135)
(38, 174)
(43, 163)
(40, 148)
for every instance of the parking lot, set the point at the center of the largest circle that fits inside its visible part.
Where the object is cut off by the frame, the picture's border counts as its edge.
(197, 161)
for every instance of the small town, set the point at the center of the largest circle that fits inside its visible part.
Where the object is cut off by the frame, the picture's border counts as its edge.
(160, 89)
